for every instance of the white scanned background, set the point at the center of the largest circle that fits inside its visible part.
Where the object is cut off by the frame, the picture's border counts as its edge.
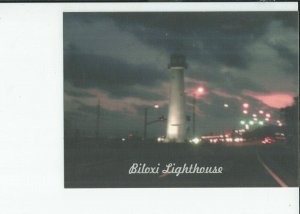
(31, 125)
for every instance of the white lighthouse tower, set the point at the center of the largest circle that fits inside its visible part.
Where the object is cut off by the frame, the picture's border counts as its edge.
(176, 128)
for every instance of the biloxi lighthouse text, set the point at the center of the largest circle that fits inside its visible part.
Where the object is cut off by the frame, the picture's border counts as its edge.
(172, 168)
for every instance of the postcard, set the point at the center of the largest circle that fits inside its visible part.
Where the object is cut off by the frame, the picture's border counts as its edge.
(180, 99)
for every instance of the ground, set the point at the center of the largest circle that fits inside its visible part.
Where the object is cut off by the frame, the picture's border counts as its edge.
(94, 163)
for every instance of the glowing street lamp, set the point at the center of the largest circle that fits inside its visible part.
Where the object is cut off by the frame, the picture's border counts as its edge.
(245, 112)
(245, 105)
(268, 115)
(261, 111)
(251, 122)
(226, 105)
(242, 122)
(199, 90)
(261, 123)
(146, 119)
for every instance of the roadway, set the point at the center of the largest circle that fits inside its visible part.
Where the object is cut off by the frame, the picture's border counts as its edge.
(90, 165)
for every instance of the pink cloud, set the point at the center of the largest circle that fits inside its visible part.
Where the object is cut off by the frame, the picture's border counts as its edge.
(274, 100)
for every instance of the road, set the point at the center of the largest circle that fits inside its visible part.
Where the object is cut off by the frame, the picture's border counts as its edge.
(89, 165)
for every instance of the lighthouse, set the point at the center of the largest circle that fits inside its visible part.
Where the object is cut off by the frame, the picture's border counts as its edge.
(176, 126)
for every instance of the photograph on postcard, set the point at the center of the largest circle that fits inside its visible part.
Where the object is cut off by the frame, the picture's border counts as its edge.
(180, 99)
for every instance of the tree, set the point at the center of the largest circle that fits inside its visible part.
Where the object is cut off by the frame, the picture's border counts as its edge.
(291, 117)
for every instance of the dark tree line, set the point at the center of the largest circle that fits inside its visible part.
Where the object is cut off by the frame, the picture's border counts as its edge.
(290, 115)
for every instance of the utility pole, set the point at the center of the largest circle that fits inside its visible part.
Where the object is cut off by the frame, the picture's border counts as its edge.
(199, 91)
(98, 119)
(145, 122)
(194, 113)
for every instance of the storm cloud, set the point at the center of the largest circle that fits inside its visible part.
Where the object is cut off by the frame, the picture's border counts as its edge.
(122, 59)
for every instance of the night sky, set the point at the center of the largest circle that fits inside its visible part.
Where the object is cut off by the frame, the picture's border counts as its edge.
(121, 59)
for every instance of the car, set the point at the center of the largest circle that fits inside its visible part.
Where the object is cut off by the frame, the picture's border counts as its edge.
(267, 140)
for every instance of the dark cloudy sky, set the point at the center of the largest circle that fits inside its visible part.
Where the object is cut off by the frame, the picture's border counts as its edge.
(122, 58)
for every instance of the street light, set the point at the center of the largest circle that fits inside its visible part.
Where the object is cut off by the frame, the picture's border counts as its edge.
(199, 90)
(246, 105)
(146, 119)
(147, 123)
